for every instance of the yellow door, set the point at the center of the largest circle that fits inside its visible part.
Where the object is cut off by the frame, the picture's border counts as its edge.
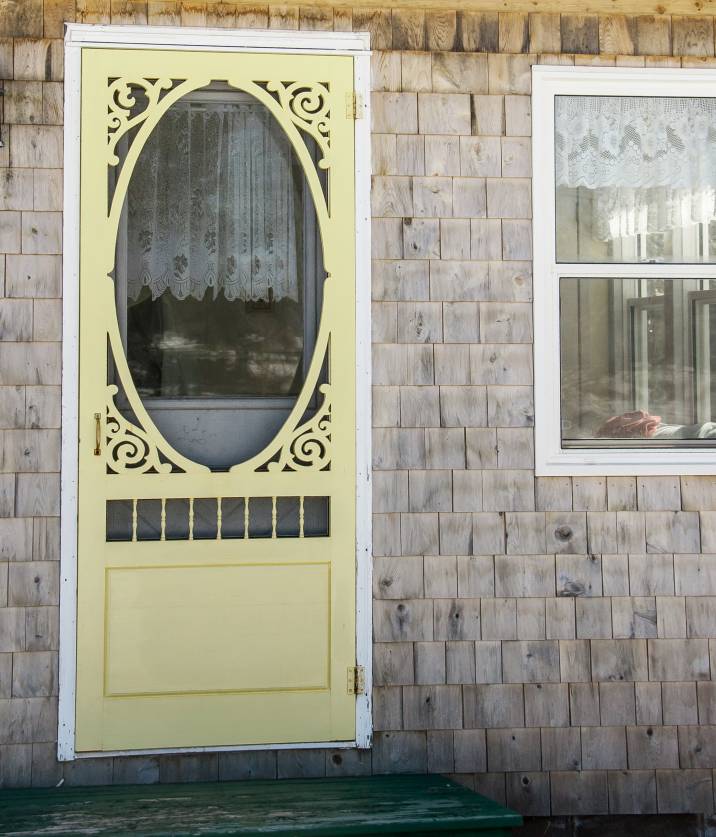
(216, 552)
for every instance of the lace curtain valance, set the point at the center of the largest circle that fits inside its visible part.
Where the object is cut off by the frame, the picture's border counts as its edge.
(214, 206)
(649, 162)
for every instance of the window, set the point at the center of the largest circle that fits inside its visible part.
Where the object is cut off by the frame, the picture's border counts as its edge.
(217, 254)
(625, 270)
(219, 273)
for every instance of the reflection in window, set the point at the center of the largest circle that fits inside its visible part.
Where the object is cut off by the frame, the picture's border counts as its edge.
(636, 361)
(213, 252)
(214, 347)
(704, 324)
(635, 179)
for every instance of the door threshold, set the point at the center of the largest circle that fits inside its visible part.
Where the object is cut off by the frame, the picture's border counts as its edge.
(231, 748)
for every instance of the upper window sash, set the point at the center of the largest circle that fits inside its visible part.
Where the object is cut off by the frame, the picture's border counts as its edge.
(635, 179)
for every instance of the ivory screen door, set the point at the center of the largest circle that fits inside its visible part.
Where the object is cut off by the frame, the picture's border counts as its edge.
(216, 493)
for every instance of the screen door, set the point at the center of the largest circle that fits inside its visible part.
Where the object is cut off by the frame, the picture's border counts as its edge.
(216, 528)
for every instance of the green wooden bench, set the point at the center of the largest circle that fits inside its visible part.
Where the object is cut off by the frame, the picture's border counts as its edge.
(380, 805)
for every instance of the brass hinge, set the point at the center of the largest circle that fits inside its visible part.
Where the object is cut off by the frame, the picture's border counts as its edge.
(354, 106)
(356, 680)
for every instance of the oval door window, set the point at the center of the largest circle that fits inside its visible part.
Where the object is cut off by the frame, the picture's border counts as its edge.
(219, 276)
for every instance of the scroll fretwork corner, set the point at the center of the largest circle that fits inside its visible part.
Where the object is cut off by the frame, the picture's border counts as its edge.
(129, 448)
(120, 102)
(307, 105)
(309, 444)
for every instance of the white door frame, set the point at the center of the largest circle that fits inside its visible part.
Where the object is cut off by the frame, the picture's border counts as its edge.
(77, 37)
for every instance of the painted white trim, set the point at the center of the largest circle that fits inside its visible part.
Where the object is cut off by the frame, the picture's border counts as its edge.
(550, 458)
(77, 37)
(197, 39)
(70, 406)
(364, 499)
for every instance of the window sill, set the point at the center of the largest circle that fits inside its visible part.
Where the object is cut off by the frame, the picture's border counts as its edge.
(625, 462)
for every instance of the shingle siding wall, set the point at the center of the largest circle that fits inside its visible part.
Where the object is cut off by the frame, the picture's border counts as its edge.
(546, 639)
(552, 642)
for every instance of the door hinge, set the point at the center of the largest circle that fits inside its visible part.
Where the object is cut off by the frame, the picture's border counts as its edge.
(356, 680)
(354, 105)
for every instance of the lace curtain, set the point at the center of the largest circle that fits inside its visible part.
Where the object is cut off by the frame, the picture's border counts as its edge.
(214, 205)
(649, 162)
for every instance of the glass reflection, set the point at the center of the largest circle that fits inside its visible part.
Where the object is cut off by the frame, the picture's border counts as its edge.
(637, 361)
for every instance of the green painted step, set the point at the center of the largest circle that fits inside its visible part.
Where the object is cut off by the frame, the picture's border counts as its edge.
(378, 805)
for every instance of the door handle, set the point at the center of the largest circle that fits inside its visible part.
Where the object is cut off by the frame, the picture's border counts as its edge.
(97, 434)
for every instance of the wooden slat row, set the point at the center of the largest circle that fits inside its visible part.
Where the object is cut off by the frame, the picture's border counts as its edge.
(680, 27)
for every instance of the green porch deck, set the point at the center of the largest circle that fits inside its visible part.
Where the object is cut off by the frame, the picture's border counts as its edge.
(381, 805)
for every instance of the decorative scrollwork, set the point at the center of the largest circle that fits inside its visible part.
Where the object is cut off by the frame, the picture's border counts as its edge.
(129, 448)
(307, 105)
(121, 100)
(310, 444)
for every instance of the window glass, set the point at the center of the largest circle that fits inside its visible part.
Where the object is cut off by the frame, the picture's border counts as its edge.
(214, 254)
(635, 179)
(637, 364)
(219, 276)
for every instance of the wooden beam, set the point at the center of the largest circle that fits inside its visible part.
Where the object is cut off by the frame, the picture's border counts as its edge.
(582, 7)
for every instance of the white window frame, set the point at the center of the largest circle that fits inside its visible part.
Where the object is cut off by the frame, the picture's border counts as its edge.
(551, 459)
(699, 303)
(356, 44)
